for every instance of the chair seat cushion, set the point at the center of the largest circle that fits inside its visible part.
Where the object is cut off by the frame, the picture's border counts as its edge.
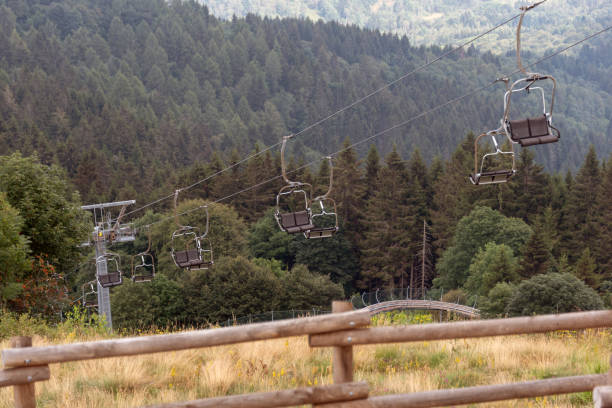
(296, 222)
(110, 279)
(489, 177)
(532, 131)
(321, 232)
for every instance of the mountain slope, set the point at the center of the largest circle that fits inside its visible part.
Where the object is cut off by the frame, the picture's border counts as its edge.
(123, 95)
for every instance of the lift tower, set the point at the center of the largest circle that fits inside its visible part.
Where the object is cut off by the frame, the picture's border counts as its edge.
(107, 231)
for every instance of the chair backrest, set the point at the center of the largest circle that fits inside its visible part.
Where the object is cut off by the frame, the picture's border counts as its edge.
(295, 219)
(181, 257)
(193, 255)
(532, 131)
(110, 279)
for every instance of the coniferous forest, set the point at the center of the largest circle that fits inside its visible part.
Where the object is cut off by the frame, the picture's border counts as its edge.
(105, 101)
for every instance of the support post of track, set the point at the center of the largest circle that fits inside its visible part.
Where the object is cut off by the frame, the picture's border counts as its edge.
(25, 395)
(342, 359)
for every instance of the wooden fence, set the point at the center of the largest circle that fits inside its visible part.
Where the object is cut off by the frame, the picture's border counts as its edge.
(24, 365)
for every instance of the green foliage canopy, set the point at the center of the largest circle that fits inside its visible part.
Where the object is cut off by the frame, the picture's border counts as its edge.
(14, 252)
(492, 265)
(53, 221)
(473, 232)
(553, 293)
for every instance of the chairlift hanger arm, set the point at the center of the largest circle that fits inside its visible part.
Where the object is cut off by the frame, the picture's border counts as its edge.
(331, 181)
(283, 164)
(176, 217)
(524, 10)
(207, 222)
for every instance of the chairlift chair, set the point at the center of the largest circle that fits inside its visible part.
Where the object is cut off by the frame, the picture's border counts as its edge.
(292, 222)
(190, 250)
(114, 276)
(531, 130)
(491, 176)
(144, 269)
(89, 296)
(325, 218)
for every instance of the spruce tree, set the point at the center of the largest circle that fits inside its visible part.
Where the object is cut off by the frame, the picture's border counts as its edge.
(536, 254)
(348, 191)
(371, 172)
(603, 251)
(585, 269)
(454, 196)
(582, 221)
(528, 194)
(386, 247)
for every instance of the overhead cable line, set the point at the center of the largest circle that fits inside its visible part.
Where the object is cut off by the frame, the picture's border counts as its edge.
(387, 130)
(341, 110)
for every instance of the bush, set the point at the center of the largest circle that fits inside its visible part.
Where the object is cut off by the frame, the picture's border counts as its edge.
(157, 303)
(553, 293)
(496, 303)
(304, 289)
(13, 324)
(491, 265)
(235, 287)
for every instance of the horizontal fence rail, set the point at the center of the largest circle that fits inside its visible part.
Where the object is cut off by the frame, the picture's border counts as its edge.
(484, 393)
(340, 330)
(286, 398)
(458, 330)
(181, 341)
(25, 375)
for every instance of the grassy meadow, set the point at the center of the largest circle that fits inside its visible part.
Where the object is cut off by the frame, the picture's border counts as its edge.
(289, 363)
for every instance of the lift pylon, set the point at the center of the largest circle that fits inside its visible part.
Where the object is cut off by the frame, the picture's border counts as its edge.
(107, 231)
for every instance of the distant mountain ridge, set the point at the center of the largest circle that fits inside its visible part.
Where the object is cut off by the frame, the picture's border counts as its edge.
(553, 24)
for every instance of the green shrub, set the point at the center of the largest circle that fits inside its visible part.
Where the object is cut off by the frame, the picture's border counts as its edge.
(13, 324)
(553, 293)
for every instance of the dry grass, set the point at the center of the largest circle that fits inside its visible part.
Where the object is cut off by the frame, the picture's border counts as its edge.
(281, 364)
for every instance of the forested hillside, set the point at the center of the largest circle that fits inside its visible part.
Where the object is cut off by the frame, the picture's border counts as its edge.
(439, 22)
(124, 95)
(107, 101)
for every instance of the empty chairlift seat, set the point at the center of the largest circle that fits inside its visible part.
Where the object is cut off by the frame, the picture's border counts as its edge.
(491, 177)
(296, 222)
(320, 232)
(188, 258)
(110, 279)
(533, 131)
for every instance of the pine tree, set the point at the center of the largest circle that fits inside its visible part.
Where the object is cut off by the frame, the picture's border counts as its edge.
(585, 269)
(420, 187)
(528, 189)
(371, 172)
(536, 255)
(454, 195)
(386, 247)
(348, 191)
(582, 220)
(603, 251)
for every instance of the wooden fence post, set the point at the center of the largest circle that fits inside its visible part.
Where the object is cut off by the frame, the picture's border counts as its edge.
(25, 395)
(342, 360)
(602, 395)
